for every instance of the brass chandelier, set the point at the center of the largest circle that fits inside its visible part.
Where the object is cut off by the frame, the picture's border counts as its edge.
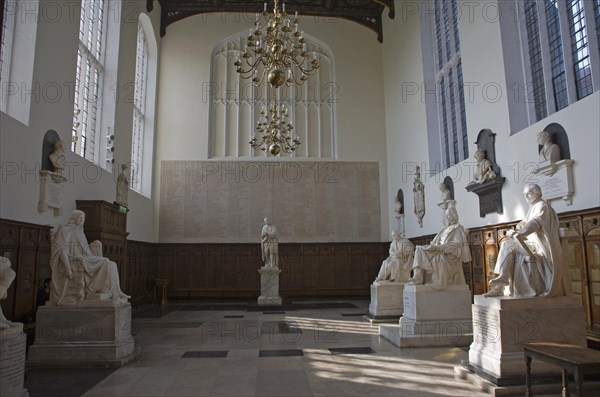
(280, 48)
(276, 131)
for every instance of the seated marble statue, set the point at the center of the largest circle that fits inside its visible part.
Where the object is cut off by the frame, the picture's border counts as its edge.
(440, 263)
(549, 151)
(7, 275)
(78, 273)
(398, 265)
(483, 168)
(533, 266)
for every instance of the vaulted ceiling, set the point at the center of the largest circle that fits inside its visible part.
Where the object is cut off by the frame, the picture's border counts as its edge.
(368, 13)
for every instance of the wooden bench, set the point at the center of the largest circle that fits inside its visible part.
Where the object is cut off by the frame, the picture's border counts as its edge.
(576, 359)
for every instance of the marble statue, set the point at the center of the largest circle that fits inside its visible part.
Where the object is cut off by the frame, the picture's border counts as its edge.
(122, 186)
(268, 244)
(398, 265)
(77, 271)
(533, 266)
(419, 196)
(483, 168)
(549, 151)
(57, 157)
(439, 263)
(446, 198)
(7, 275)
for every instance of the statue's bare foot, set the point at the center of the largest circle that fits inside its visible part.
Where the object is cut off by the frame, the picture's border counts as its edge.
(497, 290)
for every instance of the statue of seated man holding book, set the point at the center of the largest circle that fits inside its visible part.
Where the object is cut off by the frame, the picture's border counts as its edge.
(530, 262)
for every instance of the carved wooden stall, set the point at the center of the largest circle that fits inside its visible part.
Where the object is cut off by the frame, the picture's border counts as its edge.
(29, 248)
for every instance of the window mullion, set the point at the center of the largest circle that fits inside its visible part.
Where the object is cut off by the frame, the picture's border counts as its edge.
(546, 59)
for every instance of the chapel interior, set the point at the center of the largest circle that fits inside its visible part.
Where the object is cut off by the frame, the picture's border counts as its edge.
(165, 153)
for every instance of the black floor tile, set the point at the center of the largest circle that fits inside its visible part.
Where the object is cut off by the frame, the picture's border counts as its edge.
(63, 382)
(280, 353)
(353, 314)
(167, 324)
(351, 350)
(341, 305)
(279, 327)
(206, 354)
(234, 316)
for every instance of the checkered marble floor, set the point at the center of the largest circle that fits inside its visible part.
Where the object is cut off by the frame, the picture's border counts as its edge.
(300, 349)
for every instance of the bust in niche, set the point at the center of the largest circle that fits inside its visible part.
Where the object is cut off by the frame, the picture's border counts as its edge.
(57, 157)
(548, 150)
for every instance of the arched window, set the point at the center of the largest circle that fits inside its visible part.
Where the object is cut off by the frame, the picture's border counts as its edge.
(236, 104)
(95, 81)
(142, 139)
(446, 121)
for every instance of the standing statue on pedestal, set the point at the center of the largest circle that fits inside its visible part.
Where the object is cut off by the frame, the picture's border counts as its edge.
(268, 244)
(439, 264)
(419, 196)
(532, 266)
(483, 168)
(7, 275)
(78, 269)
(122, 186)
(398, 265)
(549, 151)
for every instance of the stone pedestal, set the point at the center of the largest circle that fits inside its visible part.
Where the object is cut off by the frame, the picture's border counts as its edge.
(93, 333)
(269, 286)
(12, 361)
(433, 317)
(500, 324)
(387, 301)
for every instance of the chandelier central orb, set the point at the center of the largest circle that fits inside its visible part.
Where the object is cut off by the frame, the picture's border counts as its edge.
(278, 46)
(275, 131)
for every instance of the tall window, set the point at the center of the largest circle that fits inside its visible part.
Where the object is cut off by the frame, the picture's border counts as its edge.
(448, 133)
(8, 27)
(17, 53)
(236, 104)
(557, 57)
(95, 82)
(143, 108)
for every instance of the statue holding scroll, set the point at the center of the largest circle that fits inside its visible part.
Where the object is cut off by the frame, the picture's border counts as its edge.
(398, 265)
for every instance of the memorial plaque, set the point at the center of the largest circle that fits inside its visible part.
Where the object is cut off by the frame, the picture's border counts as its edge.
(309, 201)
(490, 195)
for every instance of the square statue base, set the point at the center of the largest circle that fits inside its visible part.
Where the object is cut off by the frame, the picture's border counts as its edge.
(12, 361)
(500, 324)
(92, 333)
(387, 302)
(269, 286)
(433, 317)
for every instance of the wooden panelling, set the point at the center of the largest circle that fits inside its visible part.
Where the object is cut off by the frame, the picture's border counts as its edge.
(231, 270)
(29, 249)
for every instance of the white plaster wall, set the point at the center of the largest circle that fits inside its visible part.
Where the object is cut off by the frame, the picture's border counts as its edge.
(486, 107)
(21, 145)
(183, 108)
